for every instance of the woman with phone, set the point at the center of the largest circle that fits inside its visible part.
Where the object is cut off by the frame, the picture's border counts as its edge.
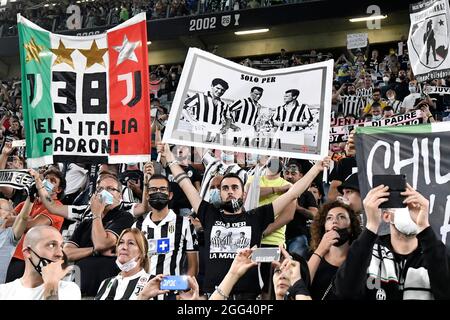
(332, 232)
(133, 282)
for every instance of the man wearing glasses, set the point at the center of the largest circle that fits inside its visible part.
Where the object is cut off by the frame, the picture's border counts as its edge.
(92, 244)
(171, 238)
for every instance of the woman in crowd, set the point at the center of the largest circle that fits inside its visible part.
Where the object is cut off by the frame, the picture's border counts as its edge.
(332, 232)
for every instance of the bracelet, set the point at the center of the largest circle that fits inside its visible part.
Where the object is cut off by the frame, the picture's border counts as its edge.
(220, 292)
(171, 163)
(182, 178)
(321, 258)
(178, 176)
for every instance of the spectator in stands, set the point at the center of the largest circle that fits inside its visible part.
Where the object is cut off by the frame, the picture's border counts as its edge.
(252, 223)
(388, 112)
(91, 246)
(297, 231)
(10, 236)
(393, 102)
(44, 271)
(133, 262)
(409, 102)
(332, 233)
(172, 239)
(410, 263)
(402, 87)
(376, 100)
(54, 185)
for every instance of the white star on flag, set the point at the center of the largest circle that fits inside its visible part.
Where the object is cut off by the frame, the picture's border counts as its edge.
(126, 50)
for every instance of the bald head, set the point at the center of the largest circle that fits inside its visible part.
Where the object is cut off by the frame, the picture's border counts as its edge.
(40, 233)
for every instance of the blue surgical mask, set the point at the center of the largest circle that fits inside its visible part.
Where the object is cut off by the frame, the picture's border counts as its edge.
(227, 157)
(107, 197)
(214, 197)
(48, 186)
(412, 89)
(376, 118)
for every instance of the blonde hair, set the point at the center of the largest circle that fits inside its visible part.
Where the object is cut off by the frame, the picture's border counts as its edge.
(142, 244)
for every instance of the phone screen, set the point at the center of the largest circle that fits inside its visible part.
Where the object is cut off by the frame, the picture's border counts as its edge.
(174, 283)
(266, 255)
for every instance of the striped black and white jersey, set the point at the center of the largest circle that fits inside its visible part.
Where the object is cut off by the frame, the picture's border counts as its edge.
(80, 213)
(245, 111)
(181, 239)
(226, 241)
(297, 113)
(242, 243)
(123, 288)
(351, 104)
(216, 242)
(214, 167)
(396, 105)
(203, 109)
(365, 94)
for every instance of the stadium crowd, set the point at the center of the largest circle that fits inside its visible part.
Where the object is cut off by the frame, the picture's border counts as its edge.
(125, 227)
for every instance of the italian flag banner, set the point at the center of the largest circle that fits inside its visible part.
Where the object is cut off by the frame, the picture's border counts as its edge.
(85, 99)
(420, 152)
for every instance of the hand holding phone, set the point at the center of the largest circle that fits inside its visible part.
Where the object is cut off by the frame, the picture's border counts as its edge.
(264, 255)
(396, 184)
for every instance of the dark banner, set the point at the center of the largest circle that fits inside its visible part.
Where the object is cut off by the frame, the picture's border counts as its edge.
(421, 153)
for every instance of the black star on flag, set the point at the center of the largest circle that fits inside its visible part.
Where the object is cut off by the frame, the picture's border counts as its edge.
(441, 22)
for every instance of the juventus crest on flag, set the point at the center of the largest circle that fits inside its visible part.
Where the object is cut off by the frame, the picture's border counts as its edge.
(85, 99)
(429, 39)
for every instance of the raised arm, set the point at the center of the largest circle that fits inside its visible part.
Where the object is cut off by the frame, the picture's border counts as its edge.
(50, 205)
(179, 175)
(20, 224)
(300, 186)
(143, 207)
(102, 239)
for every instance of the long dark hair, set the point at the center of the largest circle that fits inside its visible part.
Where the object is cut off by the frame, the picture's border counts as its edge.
(318, 224)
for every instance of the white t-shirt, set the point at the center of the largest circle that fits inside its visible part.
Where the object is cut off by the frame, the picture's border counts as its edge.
(16, 291)
(408, 102)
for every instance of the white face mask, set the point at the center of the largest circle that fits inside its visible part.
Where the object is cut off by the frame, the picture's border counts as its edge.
(376, 118)
(385, 79)
(403, 222)
(412, 89)
(127, 266)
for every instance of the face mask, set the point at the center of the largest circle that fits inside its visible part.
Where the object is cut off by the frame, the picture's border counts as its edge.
(344, 236)
(42, 262)
(159, 200)
(132, 164)
(391, 98)
(386, 79)
(227, 157)
(403, 222)
(412, 89)
(376, 118)
(214, 198)
(275, 166)
(232, 205)
(127, 266)
(107, 197)
(48, 186)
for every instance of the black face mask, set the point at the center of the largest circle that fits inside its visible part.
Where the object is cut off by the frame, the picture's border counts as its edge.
(344, 236)
(159, 200)
(42, 262)
(232, 205)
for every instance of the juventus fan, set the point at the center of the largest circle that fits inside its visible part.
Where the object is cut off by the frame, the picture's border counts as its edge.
(172, 238)
(132, 260)
(244, 111)
(409, 263)
(292, 116)
(351, 104)
(231, 217)
(201, 109)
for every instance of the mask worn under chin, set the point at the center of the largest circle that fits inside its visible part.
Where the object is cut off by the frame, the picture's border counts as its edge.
(159, 200)
(127, 266)
(214, 197)
(232, 205)
(42, 262)
(344, 236)
(404, 223)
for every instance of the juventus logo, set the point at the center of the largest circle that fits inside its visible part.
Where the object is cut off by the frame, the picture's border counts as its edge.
(171, 228)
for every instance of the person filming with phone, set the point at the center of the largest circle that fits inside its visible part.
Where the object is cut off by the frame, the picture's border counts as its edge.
(409, 263)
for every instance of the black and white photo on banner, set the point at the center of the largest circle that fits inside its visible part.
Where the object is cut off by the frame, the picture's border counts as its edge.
(223, 105)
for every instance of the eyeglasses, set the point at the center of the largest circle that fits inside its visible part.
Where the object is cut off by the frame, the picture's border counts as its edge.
(109, 189)
(156, 189)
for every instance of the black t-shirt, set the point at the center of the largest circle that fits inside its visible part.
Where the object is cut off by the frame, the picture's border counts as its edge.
(114, 221)
(402, 90)
(179, 199)
(322, 279)
(344, 168)
(223, 237)
(298, 225)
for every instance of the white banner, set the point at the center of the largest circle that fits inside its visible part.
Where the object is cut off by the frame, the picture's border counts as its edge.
(223, 105)
(356, 40)
(428, 40)
(437, 90)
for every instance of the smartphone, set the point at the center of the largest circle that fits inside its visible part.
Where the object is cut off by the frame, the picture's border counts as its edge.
(266, 255)
(179, 283)
(396, 184)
